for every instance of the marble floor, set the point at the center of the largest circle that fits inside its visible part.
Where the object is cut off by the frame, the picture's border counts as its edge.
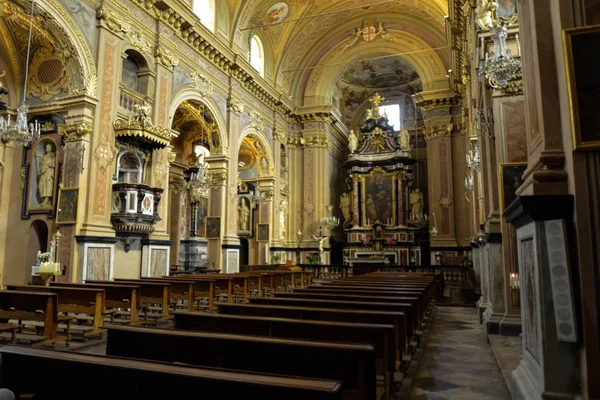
(457, 362)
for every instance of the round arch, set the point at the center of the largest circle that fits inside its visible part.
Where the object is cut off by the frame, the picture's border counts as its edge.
(428, 65)
(192, 94)
(251, 131)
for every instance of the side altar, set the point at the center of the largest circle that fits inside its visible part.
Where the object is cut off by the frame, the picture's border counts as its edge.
(383, 212)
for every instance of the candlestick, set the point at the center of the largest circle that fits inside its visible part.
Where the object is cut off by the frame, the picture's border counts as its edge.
(518, 45)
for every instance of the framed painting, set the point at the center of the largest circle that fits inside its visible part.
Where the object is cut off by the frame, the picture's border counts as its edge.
(530, 307)
(583, 86)
(213, 227)
(378, 197)
(506, 11)
(263, 232)
(509, 180)
(67, 205)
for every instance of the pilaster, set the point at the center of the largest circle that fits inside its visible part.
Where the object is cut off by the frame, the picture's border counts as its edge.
(218, 172)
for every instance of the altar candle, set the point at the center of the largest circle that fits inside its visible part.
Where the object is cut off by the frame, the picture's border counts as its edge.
(518, 45)
(267, 253)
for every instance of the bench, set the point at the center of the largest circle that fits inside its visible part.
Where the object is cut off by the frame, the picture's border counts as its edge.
(351, 364)
(115, 296)
(381, 336)
(87, 301)
(150, 293)
(51, 374)
(34, 306)
(203, 288)
(222, 285)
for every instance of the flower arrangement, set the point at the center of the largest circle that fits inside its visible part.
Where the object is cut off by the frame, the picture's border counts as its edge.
(42, 257)
(312, 258)
(276, 258)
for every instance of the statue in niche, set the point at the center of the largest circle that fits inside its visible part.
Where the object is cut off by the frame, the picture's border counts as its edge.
(405, 140)
(484, 14)
(264, 165)
(46, 167)
(345, 202)
(282, 209)
(416, 205)
(243, 216)
(352, 141)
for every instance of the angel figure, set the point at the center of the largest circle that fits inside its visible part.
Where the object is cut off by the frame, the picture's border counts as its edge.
(352, 141)
(484, 14)
(405, 140)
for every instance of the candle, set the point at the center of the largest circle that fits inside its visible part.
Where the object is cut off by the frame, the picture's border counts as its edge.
(518, 45)
(267, 253)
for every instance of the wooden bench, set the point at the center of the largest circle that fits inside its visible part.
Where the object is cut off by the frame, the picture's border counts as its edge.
(408, 309)
(115, 296)
(34, 306)
(88, 301)
(150, 293)
(43, 374)
(381, 336)
(351, 364)
(181, 290)
(222, 285)
(203, 288)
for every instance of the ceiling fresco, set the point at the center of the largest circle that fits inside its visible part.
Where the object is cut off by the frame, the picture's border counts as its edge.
(379, 73)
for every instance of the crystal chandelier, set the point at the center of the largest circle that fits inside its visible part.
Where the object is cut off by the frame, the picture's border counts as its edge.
(501, 67)
(19, 131)
(198, 183)
(330, 221)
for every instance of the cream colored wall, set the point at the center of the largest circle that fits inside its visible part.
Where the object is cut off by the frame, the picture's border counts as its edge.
(128, 264)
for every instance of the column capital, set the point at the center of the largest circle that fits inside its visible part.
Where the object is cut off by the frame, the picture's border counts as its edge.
(75, 130)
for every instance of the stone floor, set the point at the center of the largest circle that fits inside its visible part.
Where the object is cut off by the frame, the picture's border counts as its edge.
(457, 361)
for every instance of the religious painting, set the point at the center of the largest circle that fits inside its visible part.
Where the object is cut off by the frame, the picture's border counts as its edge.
(510, 179)
(507, 10)
(276, 13)
(583, 84)
(378, 197)
(263, 232)
(43, 175)
(67, 205)
(201, 217)
(530, 294)
(213, 227)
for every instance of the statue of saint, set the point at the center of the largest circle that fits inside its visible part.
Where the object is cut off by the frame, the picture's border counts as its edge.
(405, 140)
(46, 167)
(243, 216)
(345, 206)
(484, 14)
(282, 209)
(416, 205)
(352, 141)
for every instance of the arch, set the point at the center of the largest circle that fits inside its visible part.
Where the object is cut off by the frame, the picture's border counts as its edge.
(251, 131)
(319, 81)
(257, 55)
(192, 94)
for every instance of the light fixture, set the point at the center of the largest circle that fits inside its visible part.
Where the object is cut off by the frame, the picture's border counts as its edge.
(501, 67)
(433, 231)
(20, 131)
(198, 183)
(329, 220)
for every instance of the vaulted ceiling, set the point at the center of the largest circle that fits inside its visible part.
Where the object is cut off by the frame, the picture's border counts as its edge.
(301, 37)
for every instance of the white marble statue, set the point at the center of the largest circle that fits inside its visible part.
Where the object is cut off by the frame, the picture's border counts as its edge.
(46, 167)
(345, 202)
(416, 205)
(352, 141)
(282, 210)
(484, 14)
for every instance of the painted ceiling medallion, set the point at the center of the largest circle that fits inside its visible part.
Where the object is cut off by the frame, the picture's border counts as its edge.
(276, 13)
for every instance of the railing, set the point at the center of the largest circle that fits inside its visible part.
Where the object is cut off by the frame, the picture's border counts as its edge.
(128, 99)
(135, 208)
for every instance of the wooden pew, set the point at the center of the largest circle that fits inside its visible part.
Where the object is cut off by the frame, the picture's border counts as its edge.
(394, 318)
(381, 336)
(115, 296)
(408, 309)
(35, 306)
(41, 374)
(150, 293)
(180, 290)
(202, 287)
(88, 301)
(222, 285)
(351, 364)
(239, 284)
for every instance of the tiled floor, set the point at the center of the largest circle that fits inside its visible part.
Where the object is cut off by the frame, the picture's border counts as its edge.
(458, 363)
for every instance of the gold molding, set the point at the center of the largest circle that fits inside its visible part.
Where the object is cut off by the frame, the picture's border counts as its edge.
(74, 131)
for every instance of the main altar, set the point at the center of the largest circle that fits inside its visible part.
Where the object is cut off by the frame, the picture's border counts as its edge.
(383, 211)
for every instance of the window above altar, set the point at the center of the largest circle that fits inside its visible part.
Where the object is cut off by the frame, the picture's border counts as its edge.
(392, 111)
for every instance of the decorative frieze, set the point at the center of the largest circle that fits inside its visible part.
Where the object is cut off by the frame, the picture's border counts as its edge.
(74, 131)
(202, 84)
(218, 178)
(166, 58)
(234, 105)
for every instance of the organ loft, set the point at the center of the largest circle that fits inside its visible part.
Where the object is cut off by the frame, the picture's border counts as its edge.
(374, 199)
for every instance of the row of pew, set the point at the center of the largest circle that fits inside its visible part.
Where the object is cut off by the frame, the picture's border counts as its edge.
(351, 338)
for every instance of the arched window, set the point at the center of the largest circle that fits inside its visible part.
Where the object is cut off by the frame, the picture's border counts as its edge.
(205, 10)
(257, 55)
(392, 112)
(135, 74)
(130, 168)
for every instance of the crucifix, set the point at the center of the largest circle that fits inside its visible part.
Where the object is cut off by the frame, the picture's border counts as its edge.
(320, 239)
(376, 99)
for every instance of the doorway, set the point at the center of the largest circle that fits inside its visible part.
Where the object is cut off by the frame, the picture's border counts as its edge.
(244, 251)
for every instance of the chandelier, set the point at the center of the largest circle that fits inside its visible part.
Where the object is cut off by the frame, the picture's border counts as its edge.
(501, 67)
(329, 220)
(19, 131)
(198, 183)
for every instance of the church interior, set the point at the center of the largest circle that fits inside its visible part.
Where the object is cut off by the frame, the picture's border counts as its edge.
(195, 195)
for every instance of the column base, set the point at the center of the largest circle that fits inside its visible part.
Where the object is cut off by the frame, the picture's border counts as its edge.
(482, 305)
(231, 259)
(492, 321)
(523, 386)
(510, 325)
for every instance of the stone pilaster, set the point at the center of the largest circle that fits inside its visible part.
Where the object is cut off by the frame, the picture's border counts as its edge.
(218, 172)
(266, 215)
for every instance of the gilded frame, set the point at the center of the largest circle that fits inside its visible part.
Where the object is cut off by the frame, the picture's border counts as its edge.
(579, 143)
(363, 182)
(213, 224)
(66, 213)
(502, 169)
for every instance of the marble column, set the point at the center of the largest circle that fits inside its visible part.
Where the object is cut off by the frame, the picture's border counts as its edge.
(266, 215)
(176, 188)
(494, 311)
(216, 208)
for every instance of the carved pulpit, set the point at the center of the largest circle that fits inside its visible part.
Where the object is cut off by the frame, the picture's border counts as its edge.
(386, 218)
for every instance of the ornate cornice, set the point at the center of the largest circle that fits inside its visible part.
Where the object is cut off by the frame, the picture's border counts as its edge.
(438, 131)
(235, 105)
(176, 183)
